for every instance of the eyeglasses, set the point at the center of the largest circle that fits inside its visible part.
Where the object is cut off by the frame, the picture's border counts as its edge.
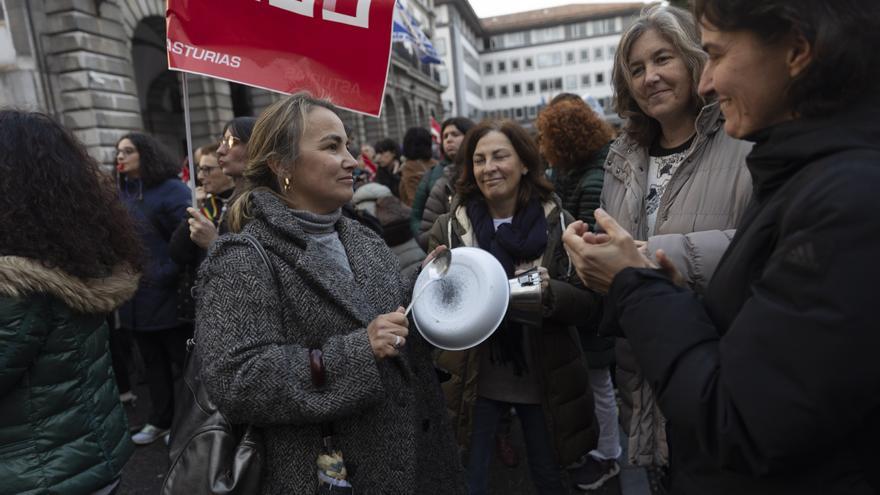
(207, 170)
(229, 141)
(126, 151)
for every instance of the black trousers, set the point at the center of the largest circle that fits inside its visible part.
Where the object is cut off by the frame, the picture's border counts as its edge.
(120, 355)
(164, 354)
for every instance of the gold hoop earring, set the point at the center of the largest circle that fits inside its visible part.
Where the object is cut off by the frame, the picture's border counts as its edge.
(286, 184)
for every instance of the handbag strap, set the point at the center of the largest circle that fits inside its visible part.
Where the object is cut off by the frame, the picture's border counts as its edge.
(315, 357)
(261, 251)
(263, 256)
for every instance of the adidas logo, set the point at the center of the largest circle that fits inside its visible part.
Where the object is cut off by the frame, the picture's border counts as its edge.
(803, 256)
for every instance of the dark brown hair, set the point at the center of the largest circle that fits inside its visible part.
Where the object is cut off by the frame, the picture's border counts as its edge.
(56, 206)
(534, 182)
(155, 162)
(570, 133)
(841, 33)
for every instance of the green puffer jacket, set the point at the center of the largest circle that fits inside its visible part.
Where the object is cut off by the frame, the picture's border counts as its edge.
(580, 190)
(62, 427)
(422, 193)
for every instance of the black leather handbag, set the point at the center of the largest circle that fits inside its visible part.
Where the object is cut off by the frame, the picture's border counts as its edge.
(209, 455)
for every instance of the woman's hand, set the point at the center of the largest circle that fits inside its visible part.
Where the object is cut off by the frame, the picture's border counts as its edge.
(599, 257)
(433, 254)
(669, 269)
(200, 195)
(201, 230)
(388, 333)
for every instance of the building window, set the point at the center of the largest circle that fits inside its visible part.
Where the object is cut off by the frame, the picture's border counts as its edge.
(514, 39)
(553, 59)
(585, 55)
(517, 89)
(502, 66)
(597, 53)
(518, 112)
(505, 113)
(514, 65)
(490, 92)
(611, 26)
(472, 86)
(529, 63)
(440, 45)
(546, 35)
(603, 26)
(553, 84)
(530, 87)
(444, 76)
(487, 68)
(502, 91)
(569, 57)
(579, 30)
(533, 111)
(471, 60)
(600, 78)
(611, 51)
(571, 82)
(585, 81)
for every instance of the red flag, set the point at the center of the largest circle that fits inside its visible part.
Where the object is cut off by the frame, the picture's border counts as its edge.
(184, 171)
(435, 130)
(368, 164)
(339, 50)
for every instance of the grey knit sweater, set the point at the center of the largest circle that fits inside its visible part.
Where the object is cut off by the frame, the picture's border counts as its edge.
(388, 415)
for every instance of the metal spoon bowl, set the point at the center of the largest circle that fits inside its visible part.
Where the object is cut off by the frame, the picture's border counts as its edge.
(437, 269)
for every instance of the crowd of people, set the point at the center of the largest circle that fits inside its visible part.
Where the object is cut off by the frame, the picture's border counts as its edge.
(706, 275)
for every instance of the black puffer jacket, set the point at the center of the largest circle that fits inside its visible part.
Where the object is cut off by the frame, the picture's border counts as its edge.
(770, 384)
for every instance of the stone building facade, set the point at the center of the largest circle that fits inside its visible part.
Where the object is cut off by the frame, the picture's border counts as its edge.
(100, 67)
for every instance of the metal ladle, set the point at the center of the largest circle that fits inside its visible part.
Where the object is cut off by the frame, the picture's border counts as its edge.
(437, 269)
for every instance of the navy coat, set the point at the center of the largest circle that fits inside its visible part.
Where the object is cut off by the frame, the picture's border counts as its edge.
(157, 211)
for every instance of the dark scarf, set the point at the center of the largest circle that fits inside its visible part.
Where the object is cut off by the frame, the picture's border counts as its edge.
(524, 239)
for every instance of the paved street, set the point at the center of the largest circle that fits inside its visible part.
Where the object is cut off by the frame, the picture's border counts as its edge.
(144, 472)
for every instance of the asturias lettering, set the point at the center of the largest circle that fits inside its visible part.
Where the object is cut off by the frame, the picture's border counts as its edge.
(196, 53)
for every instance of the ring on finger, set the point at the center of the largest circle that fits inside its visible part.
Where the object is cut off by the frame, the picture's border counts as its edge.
(396, 341)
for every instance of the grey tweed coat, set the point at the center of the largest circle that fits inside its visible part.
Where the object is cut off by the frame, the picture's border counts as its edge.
(388, 416)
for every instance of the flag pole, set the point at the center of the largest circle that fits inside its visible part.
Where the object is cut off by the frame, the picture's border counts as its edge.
(189, 148)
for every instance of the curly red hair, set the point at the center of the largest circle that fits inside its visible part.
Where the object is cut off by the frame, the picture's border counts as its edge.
(570, 132)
